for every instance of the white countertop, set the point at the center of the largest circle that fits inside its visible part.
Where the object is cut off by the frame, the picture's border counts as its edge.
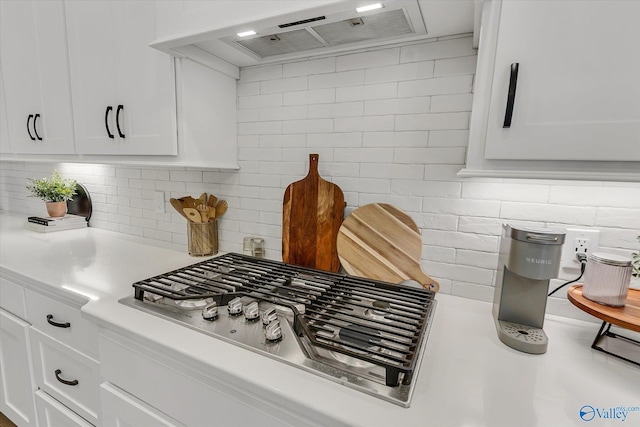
(468, 377)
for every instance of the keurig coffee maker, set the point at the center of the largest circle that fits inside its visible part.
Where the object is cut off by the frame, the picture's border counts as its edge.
(528, 260)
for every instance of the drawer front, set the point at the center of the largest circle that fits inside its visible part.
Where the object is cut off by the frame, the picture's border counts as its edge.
(12, 298)
(52, 413)
(119, 409)
(61, 322)
(67, 375)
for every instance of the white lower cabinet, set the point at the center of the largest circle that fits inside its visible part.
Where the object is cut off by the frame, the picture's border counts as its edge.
(52, 413)
(16, 393)
(120, 409)
(179, 391)
(67, 375)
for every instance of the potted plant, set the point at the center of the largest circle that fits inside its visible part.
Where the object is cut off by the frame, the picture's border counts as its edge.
(55, 191)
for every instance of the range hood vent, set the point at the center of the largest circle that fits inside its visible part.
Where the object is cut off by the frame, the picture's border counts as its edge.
(317, 34)
(328, 27)
(304, 21)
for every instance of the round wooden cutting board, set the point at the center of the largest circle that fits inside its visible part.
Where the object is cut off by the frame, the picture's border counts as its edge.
(381, 242)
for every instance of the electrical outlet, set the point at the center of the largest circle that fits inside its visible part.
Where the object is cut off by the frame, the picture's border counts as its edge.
(158, 201)
(578, 241)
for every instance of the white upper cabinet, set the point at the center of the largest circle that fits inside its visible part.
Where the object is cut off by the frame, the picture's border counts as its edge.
(5, 145)
(35, 71)
(123, 91)
(575, 97)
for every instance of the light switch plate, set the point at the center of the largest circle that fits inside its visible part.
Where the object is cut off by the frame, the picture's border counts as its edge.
(158, 201)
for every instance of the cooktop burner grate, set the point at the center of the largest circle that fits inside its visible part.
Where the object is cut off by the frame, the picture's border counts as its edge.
(376, 322)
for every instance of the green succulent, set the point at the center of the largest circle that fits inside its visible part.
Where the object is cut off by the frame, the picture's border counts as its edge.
(54, 189)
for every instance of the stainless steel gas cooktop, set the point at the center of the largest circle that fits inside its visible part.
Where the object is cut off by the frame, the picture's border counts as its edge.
(364, 334)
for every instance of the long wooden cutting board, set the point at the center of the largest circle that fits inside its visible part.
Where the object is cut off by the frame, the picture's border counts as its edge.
(313, 210)
(379, 241)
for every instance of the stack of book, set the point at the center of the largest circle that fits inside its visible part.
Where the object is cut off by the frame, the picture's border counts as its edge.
(49, 224)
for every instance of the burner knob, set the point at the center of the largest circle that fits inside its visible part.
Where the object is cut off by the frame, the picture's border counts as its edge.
(269, 316)
(210, 311)
(251, 312)
(235, 306)
(273, 331)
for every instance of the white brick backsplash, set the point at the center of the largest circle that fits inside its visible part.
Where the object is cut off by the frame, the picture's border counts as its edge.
(186, 176)
(364, 92)
(462, 207)
(507, 192)
(453, 156)
(455, 66)
(371, 155)
(248, 115)
(283, 113)
(345, 139)
(436, 222)
(577, 215)
(284, 85)
(282, 141)
(259, 128)
(437, 50)
(390, 126)
(343, 109)
(395, 139)
(260, 101)
(345, 78)
(407, 204)
(448, 138)
(318, 96)
(369, 123)
(245, 89)
(441, 172)
(393, 171)
(432, 121)
(474, 224)
(447, 103)
(374, 58)
(265, 72)
(306, 68)
(397, 106)
(401, 72)
(435, 86)
(486, 260)
(617, 217)
(308, 126)
(619, 197)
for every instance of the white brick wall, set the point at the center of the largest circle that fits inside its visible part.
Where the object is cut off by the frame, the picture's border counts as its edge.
(390, 125)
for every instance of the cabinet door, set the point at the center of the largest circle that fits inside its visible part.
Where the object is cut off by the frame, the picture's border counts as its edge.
(5, 145)
(121, 409)
(36, 76)
(111, 66)
(578, 96)
(16, 393)
(52, 413)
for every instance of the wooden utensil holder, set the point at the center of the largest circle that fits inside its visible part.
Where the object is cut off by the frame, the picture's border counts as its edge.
(202, 238)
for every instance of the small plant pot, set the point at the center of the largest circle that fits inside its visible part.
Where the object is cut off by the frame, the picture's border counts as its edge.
(56, 209)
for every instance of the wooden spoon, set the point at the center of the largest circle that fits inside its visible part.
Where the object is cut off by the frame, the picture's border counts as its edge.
(187, 201)
(221, 208)
(212, 200)
(178, 206)
(202, 200)
(193, 214)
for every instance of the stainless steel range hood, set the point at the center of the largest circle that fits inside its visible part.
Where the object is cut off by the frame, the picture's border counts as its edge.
(333, 27)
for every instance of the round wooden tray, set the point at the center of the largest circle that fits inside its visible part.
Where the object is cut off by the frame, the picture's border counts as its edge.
(627, 317)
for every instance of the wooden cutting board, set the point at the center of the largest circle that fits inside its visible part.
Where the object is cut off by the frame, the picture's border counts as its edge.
(313, 210)
(380, 241)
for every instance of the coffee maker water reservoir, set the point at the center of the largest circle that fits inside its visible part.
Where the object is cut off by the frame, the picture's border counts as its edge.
(529, 259)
